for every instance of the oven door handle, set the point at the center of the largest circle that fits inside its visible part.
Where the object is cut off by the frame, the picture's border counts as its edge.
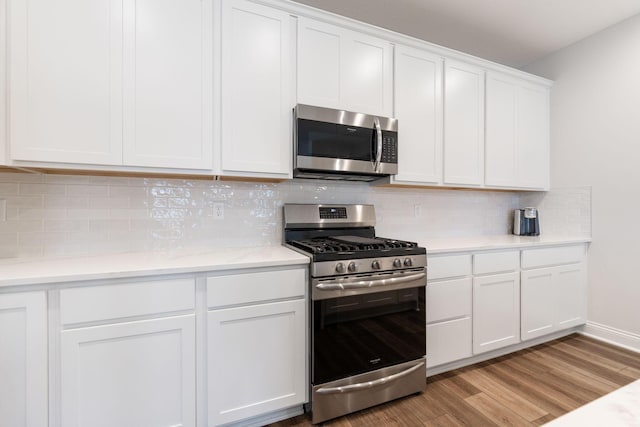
(369, 384)
(333, 286)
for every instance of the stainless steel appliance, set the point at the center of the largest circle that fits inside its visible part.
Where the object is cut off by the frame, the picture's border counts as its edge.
(343, 145)
(526, 222)
(367, 308)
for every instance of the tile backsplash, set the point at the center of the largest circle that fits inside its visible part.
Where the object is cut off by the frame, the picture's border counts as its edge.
(60, 215)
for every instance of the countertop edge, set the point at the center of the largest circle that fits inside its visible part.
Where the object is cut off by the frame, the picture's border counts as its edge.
(490, 246)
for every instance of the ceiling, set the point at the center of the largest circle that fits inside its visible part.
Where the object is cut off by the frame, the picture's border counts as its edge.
(510, 32)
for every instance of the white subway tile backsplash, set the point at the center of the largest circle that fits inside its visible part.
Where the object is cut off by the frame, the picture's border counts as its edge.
(60, 215)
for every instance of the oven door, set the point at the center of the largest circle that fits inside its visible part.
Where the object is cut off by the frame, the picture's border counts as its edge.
(366, 323)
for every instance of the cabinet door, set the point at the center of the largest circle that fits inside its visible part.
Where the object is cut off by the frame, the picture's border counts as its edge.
(418, 108)
(463, 124)
(23, 359)
(256, 360)
(501, 131)
(496, 311)
(257, 90)
(343, 69)
(538, 302)
(533, 136)
(130, 374)
(571, 295)
(168, 54)
(66, 81)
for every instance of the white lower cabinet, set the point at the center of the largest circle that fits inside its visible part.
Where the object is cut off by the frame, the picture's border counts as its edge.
(553, 298)
(256, 360)
(257, 349)
(130, 374)
(448, 321)
(128, 354)
(23, 359)
(496, 311)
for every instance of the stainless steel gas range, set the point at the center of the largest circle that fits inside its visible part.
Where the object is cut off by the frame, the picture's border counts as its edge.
(367, 308)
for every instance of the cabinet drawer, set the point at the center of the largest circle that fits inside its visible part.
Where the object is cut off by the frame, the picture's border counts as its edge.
(255, 287)
(97, 303)
(496, 262)
(448, 341)
(442, 267)
(448, 299)
(533, 258)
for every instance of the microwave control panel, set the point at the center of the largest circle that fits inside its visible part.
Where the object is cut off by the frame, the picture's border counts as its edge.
(389, 149)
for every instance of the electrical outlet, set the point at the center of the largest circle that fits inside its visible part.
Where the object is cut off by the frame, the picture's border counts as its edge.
(417, 211)
(218, 211)
(3, 210)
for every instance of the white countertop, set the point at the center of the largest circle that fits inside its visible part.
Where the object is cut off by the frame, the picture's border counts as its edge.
(506, 241)
(618, 408)
(17, 271)
(25, 272)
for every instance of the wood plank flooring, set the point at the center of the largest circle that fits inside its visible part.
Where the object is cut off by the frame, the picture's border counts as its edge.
(527, 388)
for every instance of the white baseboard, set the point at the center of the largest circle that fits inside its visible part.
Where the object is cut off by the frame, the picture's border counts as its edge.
(614, 336)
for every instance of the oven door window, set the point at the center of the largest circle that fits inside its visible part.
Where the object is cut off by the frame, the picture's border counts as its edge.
(357, 334)
(320, 139)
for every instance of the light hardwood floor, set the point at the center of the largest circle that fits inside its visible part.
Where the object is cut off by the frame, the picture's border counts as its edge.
(526, 388)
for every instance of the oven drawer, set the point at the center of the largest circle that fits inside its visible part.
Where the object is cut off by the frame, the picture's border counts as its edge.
(447, 266)
(252, 287)
(448, 299)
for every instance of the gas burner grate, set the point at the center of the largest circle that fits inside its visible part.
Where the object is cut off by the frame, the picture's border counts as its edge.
(349, 244)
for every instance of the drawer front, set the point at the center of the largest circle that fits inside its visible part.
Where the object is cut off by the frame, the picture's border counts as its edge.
(448, 341)
(98, 303)
(534, 258)
(496, 262)
(449, 299)
(443, 267)
(246, 288)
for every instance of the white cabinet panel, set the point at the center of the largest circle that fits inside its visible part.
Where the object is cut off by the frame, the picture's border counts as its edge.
(517, 133)
(463, 124)
(418, 108)
(168, 53)
(544, 257)
(256, 360)
(130, 374)
(343, 69)
(23, 359)
(257, 90)
(448, 341)
(553, 299)
(496, 262)
(108, 302)
(3, 83)
(496, 311)
(448, 299)
(446, 266)
(66, 81)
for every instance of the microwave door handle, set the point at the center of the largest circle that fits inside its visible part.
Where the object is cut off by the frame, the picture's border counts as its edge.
(376, 123)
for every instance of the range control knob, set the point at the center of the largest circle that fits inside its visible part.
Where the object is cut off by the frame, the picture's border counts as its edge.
(340, 268)
(375, 264)
(352, 267)
(408, 262)
(397, 263)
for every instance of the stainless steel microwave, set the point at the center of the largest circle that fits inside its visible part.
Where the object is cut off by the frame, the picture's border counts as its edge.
(343, 145)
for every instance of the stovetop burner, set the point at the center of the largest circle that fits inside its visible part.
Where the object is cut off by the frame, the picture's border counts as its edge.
(350, 244)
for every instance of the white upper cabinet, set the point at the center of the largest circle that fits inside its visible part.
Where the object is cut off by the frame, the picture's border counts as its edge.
(343, 69)
(418, 108)
(168, 54)
(3, 81)
(90, 77)
(463, 124)
(517, 133)
(66, 80)
(258, 86)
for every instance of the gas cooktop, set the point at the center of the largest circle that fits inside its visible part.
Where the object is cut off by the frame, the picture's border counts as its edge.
(347, 247)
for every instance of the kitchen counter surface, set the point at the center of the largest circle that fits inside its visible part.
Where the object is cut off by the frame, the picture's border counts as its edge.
(618, 408)
(507, 241)
(32, 272)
